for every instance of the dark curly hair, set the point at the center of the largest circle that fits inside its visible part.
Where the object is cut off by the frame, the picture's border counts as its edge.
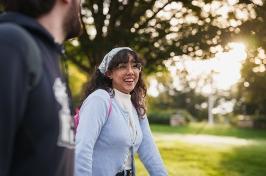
(101, 81)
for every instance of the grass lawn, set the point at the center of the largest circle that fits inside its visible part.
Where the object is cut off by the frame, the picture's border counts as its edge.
(219, 130)
(231, 152)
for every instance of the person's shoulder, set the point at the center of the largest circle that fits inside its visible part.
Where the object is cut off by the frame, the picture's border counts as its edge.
(101, 93)
(14, 35)
(98, 95)
(11, 31)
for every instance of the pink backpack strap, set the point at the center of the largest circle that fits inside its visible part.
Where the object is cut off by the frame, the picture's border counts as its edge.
(76, 116)
(76, 119)
(110, 107)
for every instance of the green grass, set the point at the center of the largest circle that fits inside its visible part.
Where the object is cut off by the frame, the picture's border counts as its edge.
(183, 158)
(219, 130)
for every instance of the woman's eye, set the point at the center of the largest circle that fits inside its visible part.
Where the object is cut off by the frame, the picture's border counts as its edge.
(134, 65)
(137, 65)
(122, 66)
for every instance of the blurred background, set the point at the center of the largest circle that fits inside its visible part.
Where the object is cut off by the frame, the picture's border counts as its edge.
(204, 70)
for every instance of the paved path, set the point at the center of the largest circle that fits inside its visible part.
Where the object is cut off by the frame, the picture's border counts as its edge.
(206, 139)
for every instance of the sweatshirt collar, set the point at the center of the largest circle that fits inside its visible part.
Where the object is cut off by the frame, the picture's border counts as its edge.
(122, 95)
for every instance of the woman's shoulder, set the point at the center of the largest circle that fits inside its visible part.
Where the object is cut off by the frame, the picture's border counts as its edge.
(96, 96)
(99, 93)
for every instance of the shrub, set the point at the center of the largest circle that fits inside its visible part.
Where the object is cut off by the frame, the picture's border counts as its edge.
(160, 116)
(186, 115)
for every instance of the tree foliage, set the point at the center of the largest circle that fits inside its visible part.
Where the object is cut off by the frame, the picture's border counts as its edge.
(191, 101)
(157, 30)
(252, 87)
(174, 99)
(253, 32)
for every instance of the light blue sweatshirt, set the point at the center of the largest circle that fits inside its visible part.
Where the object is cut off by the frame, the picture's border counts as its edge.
(102, 141)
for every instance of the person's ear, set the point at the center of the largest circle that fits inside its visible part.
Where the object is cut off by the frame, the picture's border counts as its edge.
(109, 74)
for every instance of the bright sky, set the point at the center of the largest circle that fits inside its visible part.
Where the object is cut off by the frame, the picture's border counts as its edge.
(226, 66)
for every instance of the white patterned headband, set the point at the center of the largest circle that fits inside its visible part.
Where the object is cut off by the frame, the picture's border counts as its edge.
(103, 67)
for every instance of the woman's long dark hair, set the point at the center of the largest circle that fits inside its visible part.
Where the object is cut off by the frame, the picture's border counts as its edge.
(101, 81)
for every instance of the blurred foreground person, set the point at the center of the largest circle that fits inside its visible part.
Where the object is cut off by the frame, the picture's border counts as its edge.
(36, 128)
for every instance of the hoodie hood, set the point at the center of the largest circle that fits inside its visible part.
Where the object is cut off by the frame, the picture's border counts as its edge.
(31, 25)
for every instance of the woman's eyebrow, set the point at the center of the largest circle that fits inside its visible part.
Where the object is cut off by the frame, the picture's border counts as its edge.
(133, 61)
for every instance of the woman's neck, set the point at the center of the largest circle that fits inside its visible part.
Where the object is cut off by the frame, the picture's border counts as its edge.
(122, 94)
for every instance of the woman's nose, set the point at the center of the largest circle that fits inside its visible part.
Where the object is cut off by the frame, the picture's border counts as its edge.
(130, 68)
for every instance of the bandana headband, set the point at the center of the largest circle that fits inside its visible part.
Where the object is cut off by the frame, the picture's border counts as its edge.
(103, 67)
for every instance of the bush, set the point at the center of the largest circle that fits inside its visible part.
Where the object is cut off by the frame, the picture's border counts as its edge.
(260, 122)
(160, 116)
(163, 116)
(186, 115)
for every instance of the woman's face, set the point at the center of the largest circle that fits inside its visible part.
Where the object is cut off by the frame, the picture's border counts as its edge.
(125, 76)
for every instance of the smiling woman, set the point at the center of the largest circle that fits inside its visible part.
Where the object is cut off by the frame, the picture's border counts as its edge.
(125, 75)
(113, 125)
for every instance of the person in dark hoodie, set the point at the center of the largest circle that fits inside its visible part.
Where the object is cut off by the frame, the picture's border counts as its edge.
(36, 128)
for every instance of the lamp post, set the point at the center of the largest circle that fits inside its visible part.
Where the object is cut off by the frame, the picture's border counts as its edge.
(210, 107)
(211, 98)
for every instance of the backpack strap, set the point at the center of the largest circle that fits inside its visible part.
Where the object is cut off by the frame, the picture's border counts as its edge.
(110, 107)
(76, 116)
(33, 54)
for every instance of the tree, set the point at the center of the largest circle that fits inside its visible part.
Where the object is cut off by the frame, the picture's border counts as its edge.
(186, 96)
(253, 31)
(157, 30)
(252, 88)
